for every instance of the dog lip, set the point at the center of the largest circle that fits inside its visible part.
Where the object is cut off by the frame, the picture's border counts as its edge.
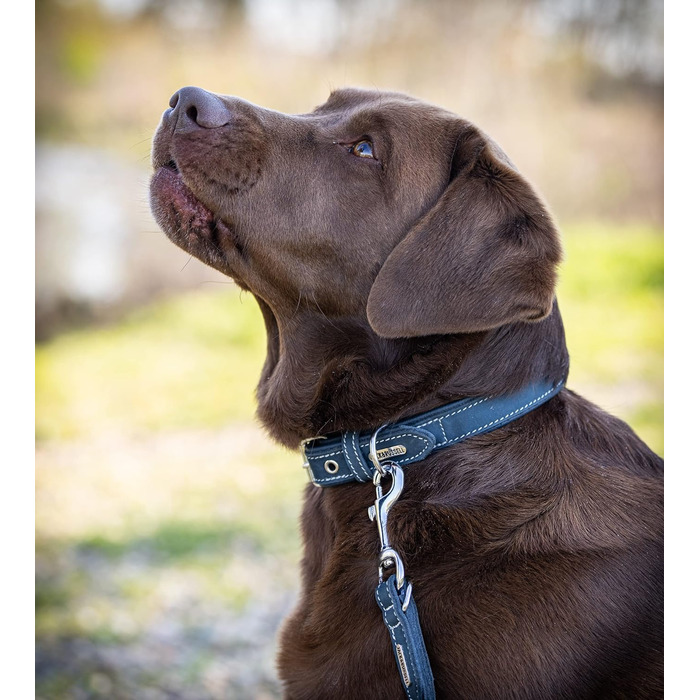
(186, 220)
(167, 182)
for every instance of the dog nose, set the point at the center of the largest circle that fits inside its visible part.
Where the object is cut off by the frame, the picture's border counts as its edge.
(197, 106)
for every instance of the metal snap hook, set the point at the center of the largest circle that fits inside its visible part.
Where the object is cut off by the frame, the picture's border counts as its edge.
(388, 556)
(373, 454)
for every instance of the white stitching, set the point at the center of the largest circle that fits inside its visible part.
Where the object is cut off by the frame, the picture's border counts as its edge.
(381, 605)
(323, 479)
(327, 454)
(360, 459)
(354, 471)
(502, 418)
(409, 656)
(427, 442)
(442, 427)
(411, 435)
(345, 454)
(366, 444)
(392, 628)
(396, 617)
(398, 437)
(426, 449)
(454, 413)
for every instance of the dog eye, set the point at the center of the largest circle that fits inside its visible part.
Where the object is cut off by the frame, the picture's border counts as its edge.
(363, 149)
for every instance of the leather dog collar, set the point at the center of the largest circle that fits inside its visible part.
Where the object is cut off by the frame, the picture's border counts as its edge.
(344, 458)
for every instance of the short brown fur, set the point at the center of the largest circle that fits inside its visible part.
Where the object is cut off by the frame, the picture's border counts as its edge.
(391, 285)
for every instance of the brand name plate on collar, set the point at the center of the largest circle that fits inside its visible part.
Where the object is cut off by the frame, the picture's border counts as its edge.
(393, 451)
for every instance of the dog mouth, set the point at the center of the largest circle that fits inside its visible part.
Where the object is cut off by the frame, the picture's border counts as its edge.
(188, 222)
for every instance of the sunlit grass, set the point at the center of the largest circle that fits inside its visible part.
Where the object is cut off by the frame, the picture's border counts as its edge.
(611, 299)
(182, 363)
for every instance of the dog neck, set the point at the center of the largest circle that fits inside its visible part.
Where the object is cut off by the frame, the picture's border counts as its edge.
(327, 375)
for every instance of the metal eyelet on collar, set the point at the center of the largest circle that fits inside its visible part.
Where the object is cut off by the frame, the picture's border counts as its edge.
(331, 466)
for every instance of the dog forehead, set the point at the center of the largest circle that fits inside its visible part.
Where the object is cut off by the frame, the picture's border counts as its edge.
(384, 107)
(351, 97)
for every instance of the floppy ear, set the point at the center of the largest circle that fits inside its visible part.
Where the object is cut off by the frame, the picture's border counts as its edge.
(483, 256)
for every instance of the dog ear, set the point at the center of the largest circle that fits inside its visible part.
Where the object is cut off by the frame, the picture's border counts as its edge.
(483, 256)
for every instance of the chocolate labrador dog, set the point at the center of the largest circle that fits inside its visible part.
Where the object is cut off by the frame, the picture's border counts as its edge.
(403, 266)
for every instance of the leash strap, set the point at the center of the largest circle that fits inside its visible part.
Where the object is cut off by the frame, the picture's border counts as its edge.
(394, 595)
(407, 639)
(344, 458)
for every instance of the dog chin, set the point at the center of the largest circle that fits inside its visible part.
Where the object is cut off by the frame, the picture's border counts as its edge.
(187, 221)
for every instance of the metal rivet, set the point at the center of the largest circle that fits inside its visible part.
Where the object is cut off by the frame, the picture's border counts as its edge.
(331, 466)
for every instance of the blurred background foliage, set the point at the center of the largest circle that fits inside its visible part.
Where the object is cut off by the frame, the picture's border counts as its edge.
(166, 521)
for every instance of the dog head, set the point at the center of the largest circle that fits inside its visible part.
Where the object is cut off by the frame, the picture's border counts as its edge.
(373, 204)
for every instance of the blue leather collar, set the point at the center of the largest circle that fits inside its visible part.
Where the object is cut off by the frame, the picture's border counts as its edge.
(344, 458)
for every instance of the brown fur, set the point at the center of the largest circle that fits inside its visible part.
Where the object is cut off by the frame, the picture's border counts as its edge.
(389, 286)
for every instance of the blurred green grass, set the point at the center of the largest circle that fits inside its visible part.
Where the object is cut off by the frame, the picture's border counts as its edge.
(167, 545)
(188, 361)
(611, 299)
